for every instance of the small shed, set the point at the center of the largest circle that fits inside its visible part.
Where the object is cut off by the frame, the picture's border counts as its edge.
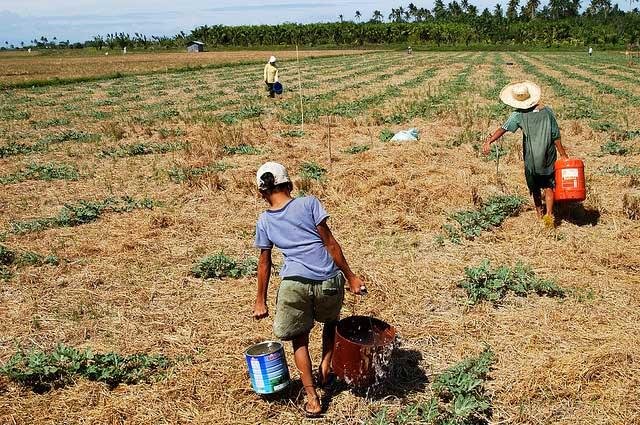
(195, 47)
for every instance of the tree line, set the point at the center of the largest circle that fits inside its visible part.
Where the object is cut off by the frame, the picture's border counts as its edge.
(457, 23)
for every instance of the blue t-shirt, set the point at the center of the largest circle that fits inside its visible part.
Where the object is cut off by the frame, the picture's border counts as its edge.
(293, 230)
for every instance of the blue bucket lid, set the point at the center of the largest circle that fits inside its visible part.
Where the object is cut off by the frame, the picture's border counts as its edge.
(277, 87)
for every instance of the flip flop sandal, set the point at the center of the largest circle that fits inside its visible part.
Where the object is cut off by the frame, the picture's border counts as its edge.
(311, 415)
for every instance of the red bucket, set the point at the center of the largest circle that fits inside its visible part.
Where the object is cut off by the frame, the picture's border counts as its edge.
(362, 350)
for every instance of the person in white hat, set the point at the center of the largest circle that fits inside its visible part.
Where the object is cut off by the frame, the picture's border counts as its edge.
(271, 75)
(540, 141)
(313, 274)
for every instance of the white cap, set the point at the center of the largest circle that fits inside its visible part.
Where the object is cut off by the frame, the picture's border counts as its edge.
(272, 59)
(280, 174)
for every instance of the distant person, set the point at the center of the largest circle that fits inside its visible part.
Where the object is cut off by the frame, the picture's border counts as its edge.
(124, 50)
(313, 274)
(540, 140)
(590, 51)
(409, 50)
(271, 75)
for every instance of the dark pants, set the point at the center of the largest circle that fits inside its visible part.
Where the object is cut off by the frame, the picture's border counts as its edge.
(535, 182)
(272, 93)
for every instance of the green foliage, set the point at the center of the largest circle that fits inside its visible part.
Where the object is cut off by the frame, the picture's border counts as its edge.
(621, 170)
(241, 150)
(497, 152)
(357, 149)
(13, 148)
(312, 171)
(462, 386)
(292, 133)
(219, 266)
(603, 126)
(467, 136)
(137, 149)
(614, 147)
(183, 174)
(386, 135)
(82, 212)
(43, 371)
(247, 111)
(460, 397)
(471, 223)
(54, 122)
(484, 283)
(49, 171)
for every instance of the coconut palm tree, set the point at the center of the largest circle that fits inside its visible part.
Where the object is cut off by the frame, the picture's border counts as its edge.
(358, 15)
(377, 16)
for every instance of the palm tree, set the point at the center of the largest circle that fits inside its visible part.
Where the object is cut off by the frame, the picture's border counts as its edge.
(532, 7)
(377, 16)
(341, 16)
(358, 15)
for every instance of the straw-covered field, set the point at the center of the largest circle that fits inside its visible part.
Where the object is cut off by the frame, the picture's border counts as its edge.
(113, 191)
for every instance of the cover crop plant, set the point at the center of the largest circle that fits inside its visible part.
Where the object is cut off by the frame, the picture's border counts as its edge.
(219, 266)
(482, 283)
(43, 371)
(80, 213)
(471, 223)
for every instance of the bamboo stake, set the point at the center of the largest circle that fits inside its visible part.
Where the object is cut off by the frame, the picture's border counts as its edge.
(300, 88)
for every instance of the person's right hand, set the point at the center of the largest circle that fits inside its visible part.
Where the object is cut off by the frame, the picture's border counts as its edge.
(486, 147)
(260, 310)
(357, 286)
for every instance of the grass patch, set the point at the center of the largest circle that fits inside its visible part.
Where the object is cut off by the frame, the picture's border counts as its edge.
(386, 135)
(620, 170)
(11, 260)
(469, 224)
(357, 149)
(292, 133)
(82, 212)
(138, 149)
(55, 122)
(43, 371)
(183, 174)
(482, 283)
(242, 149)
(48, 171)
(219, 266)
(614, 147)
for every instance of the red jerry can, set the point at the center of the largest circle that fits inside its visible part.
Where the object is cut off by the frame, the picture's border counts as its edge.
(570, 183)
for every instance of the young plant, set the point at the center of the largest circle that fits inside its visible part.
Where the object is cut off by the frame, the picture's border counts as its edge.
(219, 266)
(471, 223)
(312, 171)
(357, 149)
(482, 283)
(43, 371)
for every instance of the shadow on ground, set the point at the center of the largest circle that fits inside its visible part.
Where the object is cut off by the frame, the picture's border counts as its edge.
(576, 213)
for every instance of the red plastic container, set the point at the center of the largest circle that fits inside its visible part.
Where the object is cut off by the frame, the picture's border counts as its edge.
(362, 350)
(570, 183)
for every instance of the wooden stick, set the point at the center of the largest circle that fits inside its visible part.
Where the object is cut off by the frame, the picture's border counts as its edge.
(300, 88)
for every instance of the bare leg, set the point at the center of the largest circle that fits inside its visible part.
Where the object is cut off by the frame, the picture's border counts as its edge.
(537, 202)
(548, 197)
(328, 340)
(303, 363)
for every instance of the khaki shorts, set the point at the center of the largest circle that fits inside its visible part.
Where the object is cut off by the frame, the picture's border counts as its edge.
(301, 301)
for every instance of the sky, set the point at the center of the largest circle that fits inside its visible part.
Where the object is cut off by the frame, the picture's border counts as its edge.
(80, 20)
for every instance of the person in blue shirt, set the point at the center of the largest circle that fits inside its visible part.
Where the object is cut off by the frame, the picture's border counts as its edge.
(313, 274)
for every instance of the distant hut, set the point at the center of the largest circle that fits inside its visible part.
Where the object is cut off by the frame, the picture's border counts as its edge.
(195, 47)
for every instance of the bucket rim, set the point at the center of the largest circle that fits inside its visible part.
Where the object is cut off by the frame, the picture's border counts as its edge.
(277, 344)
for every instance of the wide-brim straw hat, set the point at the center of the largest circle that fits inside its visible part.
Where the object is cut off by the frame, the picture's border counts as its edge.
(522, 95)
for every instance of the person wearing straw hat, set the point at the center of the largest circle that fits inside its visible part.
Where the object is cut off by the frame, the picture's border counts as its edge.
(313, 274)
(540, 141)
(271, 75)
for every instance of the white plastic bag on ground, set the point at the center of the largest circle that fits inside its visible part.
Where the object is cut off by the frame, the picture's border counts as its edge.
(411, 135)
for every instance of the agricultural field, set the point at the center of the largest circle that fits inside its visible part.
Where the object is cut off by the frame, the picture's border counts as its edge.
(127, 216)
